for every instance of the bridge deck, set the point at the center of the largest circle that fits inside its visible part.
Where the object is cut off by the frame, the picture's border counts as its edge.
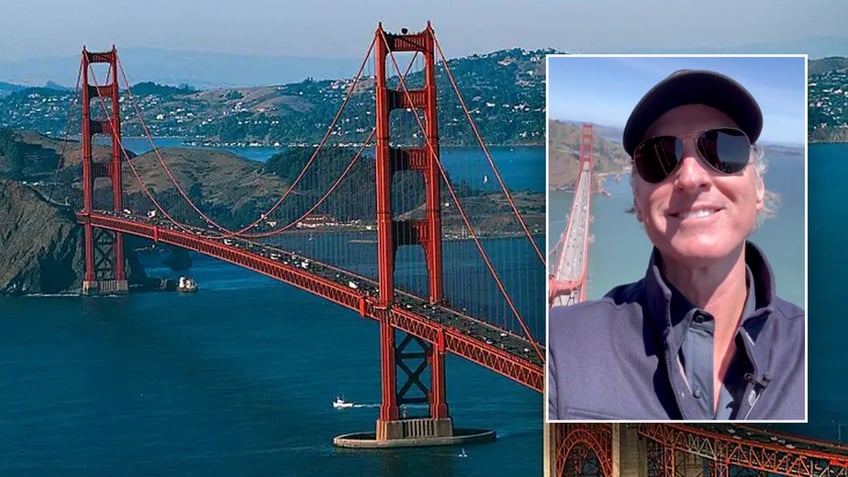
(569, 268)
(753, 448)
(451, 330)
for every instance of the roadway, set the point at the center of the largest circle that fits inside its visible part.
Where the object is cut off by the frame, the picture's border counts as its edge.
(761, 435)
(569, 268)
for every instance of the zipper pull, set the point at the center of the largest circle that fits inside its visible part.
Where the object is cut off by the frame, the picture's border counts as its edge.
(758, 385)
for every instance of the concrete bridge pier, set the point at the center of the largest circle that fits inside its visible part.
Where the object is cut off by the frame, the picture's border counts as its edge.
(629, 452)
(105, 287)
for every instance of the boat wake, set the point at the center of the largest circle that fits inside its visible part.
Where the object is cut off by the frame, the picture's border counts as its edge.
(53, 295)
(340, 403)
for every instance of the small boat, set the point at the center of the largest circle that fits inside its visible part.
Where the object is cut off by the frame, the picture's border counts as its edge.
(462, 454)
(340, 403)
(187, 285)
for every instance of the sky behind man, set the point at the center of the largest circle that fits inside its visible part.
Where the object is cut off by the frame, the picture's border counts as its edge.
(778, 85)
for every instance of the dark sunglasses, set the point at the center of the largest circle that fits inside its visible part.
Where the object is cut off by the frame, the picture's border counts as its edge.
(724, 150)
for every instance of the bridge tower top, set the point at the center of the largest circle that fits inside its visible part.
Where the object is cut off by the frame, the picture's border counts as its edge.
(426, 232)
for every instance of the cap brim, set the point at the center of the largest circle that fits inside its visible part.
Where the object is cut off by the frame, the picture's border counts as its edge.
(694, 87)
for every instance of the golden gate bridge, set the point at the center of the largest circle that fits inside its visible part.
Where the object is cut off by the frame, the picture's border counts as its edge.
(475, 282)
(420, 321)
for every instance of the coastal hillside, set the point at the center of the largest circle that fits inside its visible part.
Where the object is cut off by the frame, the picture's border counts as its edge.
(828, 100)
(31, 156)
(564, 154)
(42, 248)
(504, 92)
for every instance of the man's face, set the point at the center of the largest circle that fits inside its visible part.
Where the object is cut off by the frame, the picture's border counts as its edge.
(697, 215)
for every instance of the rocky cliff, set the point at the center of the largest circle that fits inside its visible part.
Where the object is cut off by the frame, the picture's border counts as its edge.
(41, 246)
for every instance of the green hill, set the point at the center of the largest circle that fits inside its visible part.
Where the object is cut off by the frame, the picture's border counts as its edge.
(828, 100)
(504, 92)
(564, 154)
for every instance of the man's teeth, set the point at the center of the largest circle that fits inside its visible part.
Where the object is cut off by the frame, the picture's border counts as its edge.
(696, 214)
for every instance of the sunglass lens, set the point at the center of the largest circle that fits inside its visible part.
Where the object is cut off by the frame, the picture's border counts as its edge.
(727, 150)
(657, 157)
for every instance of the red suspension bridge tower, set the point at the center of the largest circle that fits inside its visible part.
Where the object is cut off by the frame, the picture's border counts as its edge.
(104, 250)
(392, 233)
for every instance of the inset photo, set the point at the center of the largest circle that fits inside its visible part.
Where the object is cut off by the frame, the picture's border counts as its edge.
(677, 238)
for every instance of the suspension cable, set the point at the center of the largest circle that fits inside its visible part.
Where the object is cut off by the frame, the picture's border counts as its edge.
(241, 233)
(462, 214)
(114, 130)
(488, 154)
(323, 198)
(61, 159)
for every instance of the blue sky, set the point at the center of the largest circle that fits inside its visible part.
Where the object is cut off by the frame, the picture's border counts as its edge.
(604, 90)
(321, 28)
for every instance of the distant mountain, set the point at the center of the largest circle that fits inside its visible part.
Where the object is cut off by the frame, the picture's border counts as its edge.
(212, 70)
(201, 70)
(825, 65)
(6, 88)
(56, 86)
(817, 47)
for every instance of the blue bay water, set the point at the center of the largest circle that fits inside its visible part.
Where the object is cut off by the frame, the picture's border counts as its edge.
(523, 168)
(237, 379)
(828, 355)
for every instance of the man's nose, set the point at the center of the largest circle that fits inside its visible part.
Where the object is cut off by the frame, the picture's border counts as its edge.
(692, 172)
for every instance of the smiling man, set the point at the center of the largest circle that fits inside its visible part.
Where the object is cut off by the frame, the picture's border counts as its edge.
(703, 335)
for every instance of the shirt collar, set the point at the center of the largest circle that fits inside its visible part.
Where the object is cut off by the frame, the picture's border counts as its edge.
(683, 312)
(666, 314)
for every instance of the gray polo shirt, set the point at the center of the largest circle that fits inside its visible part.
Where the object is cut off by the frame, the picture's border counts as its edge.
(695, 354)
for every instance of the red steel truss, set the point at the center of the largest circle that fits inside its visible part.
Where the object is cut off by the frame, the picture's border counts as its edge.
(787, 455)
(392, 233)
(582, 448)
(693, 450)
(104, 255)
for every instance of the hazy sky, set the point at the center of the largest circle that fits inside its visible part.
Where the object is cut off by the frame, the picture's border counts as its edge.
(35, 28)
(604, 90)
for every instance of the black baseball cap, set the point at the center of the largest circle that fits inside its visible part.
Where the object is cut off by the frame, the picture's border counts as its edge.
(694, 87)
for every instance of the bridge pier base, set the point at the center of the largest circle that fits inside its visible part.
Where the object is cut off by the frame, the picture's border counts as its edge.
(414, 432)
(105, 287)
(416, 428)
